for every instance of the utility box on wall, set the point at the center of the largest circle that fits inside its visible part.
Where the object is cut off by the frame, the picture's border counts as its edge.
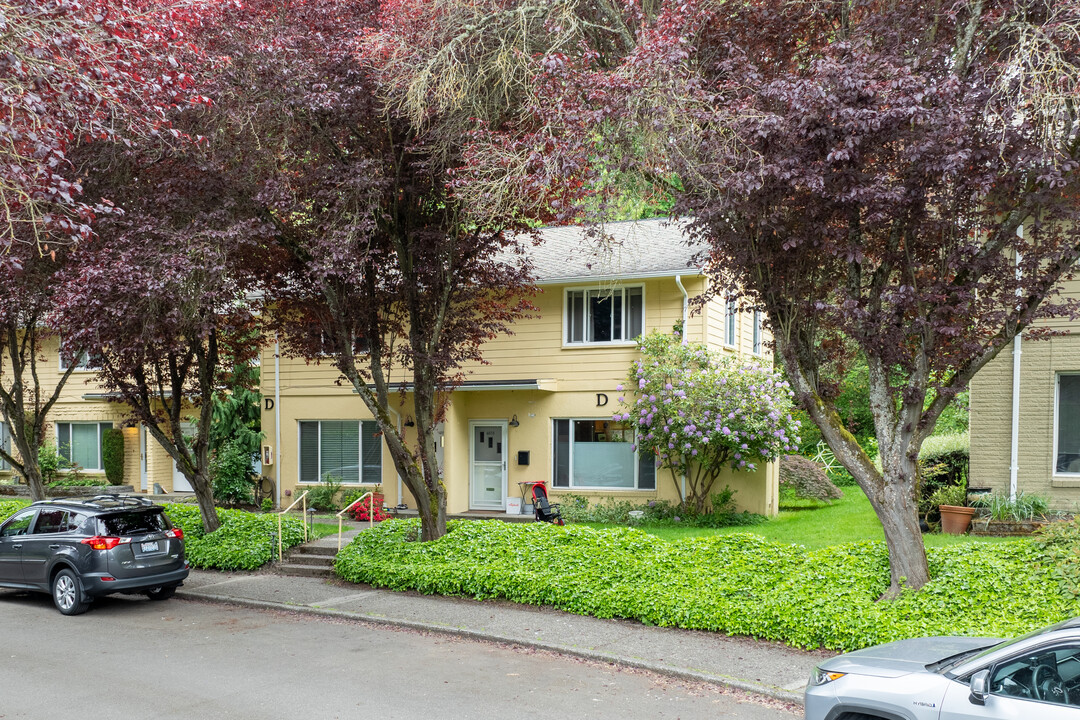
(523, 457)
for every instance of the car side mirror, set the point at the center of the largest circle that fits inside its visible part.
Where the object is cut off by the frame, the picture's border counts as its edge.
(980, 687)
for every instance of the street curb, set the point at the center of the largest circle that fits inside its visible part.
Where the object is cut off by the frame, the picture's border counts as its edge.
(768, 691)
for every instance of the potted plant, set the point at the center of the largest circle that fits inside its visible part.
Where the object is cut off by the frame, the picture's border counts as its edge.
(952, 504)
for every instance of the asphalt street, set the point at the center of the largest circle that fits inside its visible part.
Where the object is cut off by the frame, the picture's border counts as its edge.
(129, 657)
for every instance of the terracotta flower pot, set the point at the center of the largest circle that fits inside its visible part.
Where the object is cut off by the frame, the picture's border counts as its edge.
(955, 519)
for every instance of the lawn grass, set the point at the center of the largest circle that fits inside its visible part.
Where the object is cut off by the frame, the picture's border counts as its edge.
(815, 525)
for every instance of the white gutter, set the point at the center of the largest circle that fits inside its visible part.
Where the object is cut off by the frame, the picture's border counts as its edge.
(685, 305)
(1014, 455)
(400, 488)
(277, 419)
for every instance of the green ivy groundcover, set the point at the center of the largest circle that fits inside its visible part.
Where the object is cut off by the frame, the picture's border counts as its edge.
(736, 584)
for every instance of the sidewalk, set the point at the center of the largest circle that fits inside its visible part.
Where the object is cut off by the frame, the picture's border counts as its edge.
(766, 668)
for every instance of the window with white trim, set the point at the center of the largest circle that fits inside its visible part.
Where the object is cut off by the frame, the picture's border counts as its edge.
(729, 322)
(604, 315)
(1067, 425)
(598, 453)
(85, 360)
(757, 332)
(348, 450)
(80, 443)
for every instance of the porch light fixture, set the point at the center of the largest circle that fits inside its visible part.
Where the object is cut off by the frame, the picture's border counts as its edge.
(514, 421)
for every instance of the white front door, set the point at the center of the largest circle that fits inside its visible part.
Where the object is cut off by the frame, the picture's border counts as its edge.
(487, 464)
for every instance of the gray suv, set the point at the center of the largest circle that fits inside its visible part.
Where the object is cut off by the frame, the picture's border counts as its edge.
(1034, 677)
(79, 549)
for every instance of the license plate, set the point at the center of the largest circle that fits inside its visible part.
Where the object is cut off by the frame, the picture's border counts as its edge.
(150, 547)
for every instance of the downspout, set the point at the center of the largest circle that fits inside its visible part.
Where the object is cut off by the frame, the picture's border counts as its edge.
(400, 489)
(277, 419)
(685, 306)
(1014, 456)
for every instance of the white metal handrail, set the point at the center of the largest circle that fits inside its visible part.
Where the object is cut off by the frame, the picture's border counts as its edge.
(280, 551)
(354, 503)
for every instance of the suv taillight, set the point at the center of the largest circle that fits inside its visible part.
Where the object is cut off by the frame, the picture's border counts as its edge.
(175, 533)
(99, 542)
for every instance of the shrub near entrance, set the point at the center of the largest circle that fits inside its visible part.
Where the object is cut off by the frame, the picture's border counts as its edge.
(738, 583)
(244, 541)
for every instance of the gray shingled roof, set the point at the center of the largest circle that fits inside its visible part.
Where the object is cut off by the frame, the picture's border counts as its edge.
(638, 248)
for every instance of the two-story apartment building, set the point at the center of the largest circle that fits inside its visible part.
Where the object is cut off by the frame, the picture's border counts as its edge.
(1025, 415)
(541, 410)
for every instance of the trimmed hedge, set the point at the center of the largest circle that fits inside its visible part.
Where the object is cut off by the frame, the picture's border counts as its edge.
(245, 540)
(738, 584)
(112, 455)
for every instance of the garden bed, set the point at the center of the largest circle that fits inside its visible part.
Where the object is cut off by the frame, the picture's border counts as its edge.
(1006, 528)
(735, 583)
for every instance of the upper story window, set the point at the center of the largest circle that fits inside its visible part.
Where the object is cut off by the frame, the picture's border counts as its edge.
(606, 315)
(757, 332)
(84, 361)
(729, 322)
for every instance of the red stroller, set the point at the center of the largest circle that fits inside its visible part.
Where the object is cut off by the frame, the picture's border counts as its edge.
(544, 511)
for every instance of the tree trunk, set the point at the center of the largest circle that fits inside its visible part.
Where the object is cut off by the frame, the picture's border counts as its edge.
(431, 504)
(891, 492)
(898, 512)
(204, 494)
(32, 474)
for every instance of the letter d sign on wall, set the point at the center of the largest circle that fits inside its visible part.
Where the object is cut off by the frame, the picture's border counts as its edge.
(601, 399)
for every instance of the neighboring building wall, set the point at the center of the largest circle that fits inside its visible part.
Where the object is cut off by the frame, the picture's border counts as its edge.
(1042, 362)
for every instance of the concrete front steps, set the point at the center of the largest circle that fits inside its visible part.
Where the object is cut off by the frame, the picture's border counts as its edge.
(310, 560)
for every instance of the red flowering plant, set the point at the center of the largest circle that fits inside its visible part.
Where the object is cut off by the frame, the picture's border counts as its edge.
(370, 508)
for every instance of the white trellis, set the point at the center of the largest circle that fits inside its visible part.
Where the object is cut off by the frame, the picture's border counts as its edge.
(825, 457)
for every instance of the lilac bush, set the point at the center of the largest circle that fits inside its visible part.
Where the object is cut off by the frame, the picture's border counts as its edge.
(699, 411)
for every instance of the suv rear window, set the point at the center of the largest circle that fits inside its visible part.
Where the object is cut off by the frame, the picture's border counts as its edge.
(134, 522)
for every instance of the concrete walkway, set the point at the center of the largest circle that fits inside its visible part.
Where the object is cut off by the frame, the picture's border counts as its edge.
(766, 668)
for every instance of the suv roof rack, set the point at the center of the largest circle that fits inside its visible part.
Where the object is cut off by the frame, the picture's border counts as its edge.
(106, 500)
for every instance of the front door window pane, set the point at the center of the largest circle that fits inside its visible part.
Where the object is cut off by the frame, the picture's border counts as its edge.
(1068, 424)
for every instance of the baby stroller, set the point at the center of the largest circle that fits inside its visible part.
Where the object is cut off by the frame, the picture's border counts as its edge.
(544, 511)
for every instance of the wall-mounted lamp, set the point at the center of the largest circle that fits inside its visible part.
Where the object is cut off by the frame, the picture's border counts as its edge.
(514, 421)
(409, 422)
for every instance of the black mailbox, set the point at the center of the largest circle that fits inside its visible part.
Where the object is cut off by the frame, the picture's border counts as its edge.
(523, 457)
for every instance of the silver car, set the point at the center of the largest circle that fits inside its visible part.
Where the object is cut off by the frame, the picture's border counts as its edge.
(1035, 677)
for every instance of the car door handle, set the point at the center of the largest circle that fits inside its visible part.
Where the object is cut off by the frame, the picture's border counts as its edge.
(55, 547)
(16, 547)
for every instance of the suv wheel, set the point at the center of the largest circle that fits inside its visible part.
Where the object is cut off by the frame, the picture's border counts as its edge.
(161, 593)
(67, 593)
